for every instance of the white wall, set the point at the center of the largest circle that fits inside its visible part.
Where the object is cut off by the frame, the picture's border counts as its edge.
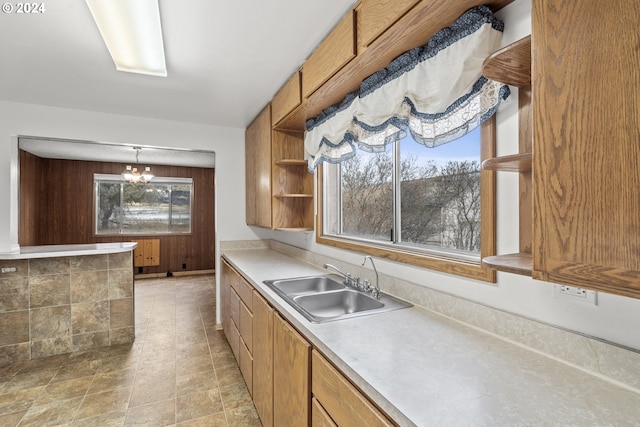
(614, 318)
(34, 120)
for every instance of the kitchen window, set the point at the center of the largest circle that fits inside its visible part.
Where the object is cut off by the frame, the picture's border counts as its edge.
(431, 207)
(162, 206)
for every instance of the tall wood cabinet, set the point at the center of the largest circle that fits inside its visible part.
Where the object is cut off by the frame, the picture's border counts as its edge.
(579, 204)
(258, 170)
(586, 97)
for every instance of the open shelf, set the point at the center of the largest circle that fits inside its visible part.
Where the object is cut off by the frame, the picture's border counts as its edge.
(519, 263)
(291, 162)
(513, 163)
(511, 64)
(296, 229)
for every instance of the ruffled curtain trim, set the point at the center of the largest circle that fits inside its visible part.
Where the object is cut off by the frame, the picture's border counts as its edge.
(436, 92)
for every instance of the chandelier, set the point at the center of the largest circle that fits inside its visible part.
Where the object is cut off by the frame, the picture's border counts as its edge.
(132, 174)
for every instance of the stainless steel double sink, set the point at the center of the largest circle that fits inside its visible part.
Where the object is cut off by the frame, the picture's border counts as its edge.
(325, 298)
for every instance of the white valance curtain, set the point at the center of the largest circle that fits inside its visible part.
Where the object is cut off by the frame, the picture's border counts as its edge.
(436, 92)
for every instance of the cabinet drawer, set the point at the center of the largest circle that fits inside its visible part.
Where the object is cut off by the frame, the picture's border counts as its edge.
(234, 340)
(332, 54)
(373, 17)
(246, 365)
(342, 401)
(245, 292)
(246, 326)
(234, 307)
(287, 98)
(233, 279)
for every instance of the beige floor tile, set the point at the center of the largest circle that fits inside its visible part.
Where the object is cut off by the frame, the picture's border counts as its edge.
(245, 416)
(215, 420)
(229, 375)
(197, 405)
(29, 379)
(20, 400)
(105, 402)
(80, 369)
(155, 414)
(12, 419)
(105, 381)
(235, 396)
(110, 419)
(54, 413)
(64, 390)
(145, 393)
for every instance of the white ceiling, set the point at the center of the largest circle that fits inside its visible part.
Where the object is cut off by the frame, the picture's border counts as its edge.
(119, 153)
(225, 59)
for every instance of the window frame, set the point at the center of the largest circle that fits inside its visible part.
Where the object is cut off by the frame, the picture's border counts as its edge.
(99, 177)
(466, 268)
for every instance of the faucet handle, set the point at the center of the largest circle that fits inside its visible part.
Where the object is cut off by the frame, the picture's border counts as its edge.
(366, 285)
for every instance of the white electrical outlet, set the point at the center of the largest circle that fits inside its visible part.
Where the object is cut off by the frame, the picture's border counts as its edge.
(9, 269)
(572, 293)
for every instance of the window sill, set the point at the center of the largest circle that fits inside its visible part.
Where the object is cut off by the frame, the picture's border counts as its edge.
(458, 267)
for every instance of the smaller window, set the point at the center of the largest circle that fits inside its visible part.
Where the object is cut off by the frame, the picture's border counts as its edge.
(160, 207)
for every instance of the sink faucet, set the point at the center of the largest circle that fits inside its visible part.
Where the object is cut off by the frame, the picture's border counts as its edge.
(347, 277)
(375, 291)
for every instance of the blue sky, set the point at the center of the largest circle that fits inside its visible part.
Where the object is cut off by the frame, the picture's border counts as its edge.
(464, 148)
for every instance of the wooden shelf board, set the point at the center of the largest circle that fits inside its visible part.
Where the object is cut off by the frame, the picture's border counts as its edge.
(511, 64)
(291, 162)
(519, 263)
(294, 229)
(293, 196)
(513, 163)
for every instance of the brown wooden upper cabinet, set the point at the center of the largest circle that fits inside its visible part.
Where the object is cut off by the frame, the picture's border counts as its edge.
(375, 16)
(586, 158)
(258, 170)
(336, 50)
(287, 98)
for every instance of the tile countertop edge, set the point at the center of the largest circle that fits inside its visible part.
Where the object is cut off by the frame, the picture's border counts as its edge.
(51, 251)
(452, 373)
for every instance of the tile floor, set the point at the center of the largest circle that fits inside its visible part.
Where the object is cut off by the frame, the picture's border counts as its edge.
(179, 371)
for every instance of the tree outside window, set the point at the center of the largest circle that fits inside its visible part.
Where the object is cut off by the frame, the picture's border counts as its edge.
(160, 207)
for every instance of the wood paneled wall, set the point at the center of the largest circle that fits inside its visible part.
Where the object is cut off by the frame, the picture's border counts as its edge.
(56, 208)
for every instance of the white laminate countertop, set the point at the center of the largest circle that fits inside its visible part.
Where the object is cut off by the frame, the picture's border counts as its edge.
(427, 370)
(50, 251)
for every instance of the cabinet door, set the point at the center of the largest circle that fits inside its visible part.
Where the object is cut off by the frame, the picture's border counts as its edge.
(375, 16)
(138, 254)
(246, 326)
(225, 291)
(245, 361)
(586, 144)
(258, 170)
(263, 359)
(287, 98)
(291, 393)
(330, 56)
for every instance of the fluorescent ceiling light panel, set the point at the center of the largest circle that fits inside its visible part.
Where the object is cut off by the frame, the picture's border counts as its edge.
(132, 32)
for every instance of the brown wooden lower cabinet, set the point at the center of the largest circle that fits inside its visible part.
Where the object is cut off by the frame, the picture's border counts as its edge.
(342, 402)
(291, 388)
(291, 384)
(263, 359)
